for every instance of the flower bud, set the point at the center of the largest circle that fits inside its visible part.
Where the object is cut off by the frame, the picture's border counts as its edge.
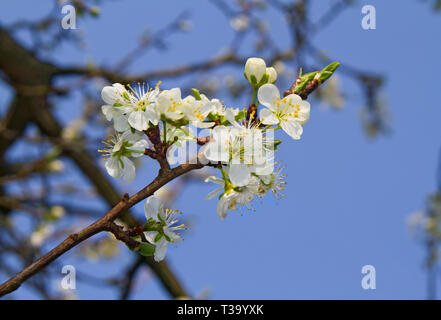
(272, 74)
(255, 70)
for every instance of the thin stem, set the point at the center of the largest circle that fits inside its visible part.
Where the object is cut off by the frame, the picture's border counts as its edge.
(165, 131)
(253, 101)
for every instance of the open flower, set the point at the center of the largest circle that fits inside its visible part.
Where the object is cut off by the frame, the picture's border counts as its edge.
(170, 104)
(291, 112)
(196, 111)
(241, 148)
(133, 107)
(165, 224)
(274, 182)
(119, 149)
(231, 196)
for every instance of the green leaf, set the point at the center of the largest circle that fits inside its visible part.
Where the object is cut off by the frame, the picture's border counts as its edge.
(158, 237)
(331, 67)
(253, 80)
(264, 79)
(328, 71)
(146, 249)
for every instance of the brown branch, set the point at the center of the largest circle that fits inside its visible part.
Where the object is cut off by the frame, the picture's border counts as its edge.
(112, 76)
(103, 224)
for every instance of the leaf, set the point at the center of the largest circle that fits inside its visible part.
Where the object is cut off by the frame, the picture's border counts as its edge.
(145, 249)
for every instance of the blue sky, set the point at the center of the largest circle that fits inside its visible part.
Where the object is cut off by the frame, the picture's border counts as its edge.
(347, 197)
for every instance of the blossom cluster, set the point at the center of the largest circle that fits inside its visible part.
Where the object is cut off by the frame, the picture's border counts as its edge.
(241, 143)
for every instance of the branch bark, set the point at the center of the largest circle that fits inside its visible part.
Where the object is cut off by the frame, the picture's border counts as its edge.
(103, 224)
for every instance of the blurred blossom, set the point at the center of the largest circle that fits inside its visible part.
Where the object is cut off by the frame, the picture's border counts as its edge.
(40, 234)
(330, 93)
(415, 221)
(106, 248)
(209, 86)
(375, 118)
(165, 193)
(57, 211)
(73, 129)
(56, 166)
(279, 66)
(185, 25)
(240, 23)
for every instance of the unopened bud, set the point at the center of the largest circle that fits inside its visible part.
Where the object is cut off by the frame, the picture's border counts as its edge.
(255, 70)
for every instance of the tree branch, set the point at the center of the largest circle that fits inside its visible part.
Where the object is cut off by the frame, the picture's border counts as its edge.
(103, 224)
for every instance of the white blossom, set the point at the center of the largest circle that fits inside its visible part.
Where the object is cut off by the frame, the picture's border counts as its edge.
(241, 148)
(170, 104)
(119, 148)
(272, 74)
(291, 112)
(135, 108)
(255, 68)
(166, 220)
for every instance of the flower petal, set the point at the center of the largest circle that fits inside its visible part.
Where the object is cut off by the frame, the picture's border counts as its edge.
(239, 174)
(120, 123)
(139, 146)
(267, 117)
(214, 193)
(113, 168)
(138, 120)
(267, 94)
(152, 207)
(292, 128)
(161, 249)
(128, 170)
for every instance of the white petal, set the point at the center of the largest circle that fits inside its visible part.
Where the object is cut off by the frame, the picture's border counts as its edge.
(150, 236)
(239, 174)
(230, 114)
(222, 207)
(172, 235)
(215, 179)
(214, 193)
(128, 170)
(161, 249)
(175, 93)
(173, 115)
(113, 168)
(152, 207)
(152, 116)
(267, 94)
(216, 151)
(267, 117)
(293, 99)
(108, 111)
(138, 120)
(293, 128)
(140, 145)
(120, 123)
(110, 95)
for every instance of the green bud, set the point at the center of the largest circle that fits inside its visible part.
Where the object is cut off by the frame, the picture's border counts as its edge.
(196, 93)
(332, 67)
(94, 11)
